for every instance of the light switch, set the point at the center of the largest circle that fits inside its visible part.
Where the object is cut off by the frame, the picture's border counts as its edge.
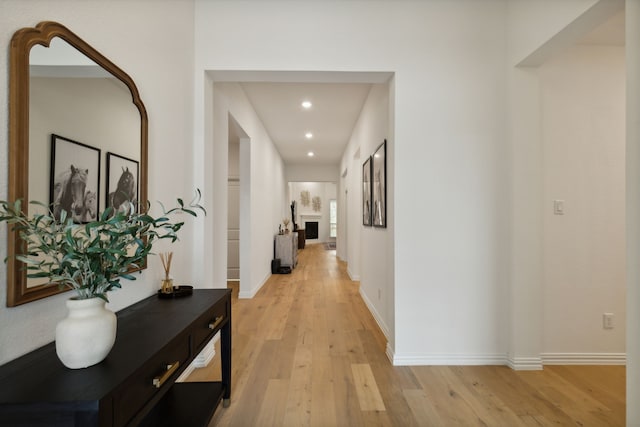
(558, 207)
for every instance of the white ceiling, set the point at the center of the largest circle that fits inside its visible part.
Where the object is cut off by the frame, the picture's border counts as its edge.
(331, 119)
(337, 97)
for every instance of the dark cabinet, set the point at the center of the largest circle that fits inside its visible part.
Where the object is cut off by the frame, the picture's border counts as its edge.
(301, 238)
(156, 340)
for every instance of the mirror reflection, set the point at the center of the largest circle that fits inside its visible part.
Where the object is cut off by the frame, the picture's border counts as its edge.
(74, 98)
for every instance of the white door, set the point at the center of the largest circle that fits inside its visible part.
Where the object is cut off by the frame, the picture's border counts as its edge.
(233, 231)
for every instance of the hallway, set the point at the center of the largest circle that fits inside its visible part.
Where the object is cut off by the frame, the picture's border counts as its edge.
(306, 351)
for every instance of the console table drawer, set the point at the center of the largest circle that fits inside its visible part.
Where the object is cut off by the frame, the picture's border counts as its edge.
(163, 368)
(208, 324)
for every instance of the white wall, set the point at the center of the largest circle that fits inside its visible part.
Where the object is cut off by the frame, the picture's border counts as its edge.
(450, 181)
(234, 157)
(371, 256)
(133, 35)
(632, 53)
(265, 193)
(583, 143)
(309, 173)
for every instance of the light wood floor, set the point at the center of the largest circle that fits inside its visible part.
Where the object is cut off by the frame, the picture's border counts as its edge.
(306, 352)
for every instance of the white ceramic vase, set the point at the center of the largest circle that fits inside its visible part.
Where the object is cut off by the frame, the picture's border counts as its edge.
(87, 334)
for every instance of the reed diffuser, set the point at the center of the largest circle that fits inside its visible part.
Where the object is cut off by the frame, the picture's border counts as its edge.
(167, 282)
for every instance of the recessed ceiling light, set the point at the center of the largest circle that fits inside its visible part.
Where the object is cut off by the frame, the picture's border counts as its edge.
(310, 154)
(308, 135)
(306, 104)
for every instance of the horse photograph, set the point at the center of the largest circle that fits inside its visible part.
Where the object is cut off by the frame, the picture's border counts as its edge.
(122, 183)
(75, 180)
(366, 192)
(379, 182)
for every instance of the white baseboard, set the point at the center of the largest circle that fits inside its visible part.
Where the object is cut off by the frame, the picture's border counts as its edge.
(584, 358)
(515, 363)
(525, 363)
(252, 293)
(183, 376)
(448, 359)
(202, 360)
(353, 277)
(390, 353)
(381, 324)
(207, 354)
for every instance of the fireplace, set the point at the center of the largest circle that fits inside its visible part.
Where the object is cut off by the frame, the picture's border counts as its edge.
(311, 230)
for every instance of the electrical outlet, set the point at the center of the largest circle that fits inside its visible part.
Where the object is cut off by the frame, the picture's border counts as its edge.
(379, 293)
(607, 320)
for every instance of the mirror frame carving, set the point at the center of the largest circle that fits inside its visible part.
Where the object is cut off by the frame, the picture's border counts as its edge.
(18, 186)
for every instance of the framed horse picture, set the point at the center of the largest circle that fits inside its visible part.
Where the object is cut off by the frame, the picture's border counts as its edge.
(379, 186)
(122, 182)
(75, 180)
(366, 192)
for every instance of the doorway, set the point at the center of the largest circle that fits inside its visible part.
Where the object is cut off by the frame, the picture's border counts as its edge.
(238, 206)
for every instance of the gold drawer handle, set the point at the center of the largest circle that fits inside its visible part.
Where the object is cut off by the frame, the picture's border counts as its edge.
(158, 381)
(216, 322)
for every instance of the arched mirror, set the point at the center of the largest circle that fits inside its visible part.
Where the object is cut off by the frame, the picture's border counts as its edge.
(67, 104)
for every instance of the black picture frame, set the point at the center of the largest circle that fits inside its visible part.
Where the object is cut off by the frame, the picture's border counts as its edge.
(379, 186)
(74, 179)
(366, 192)
(122, 183)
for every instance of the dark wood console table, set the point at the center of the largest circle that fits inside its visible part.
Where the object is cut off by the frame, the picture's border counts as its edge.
(135, 384)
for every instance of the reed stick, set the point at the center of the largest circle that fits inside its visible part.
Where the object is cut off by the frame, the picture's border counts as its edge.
(165, 258)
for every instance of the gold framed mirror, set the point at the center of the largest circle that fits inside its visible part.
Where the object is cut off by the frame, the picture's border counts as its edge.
(59, 84)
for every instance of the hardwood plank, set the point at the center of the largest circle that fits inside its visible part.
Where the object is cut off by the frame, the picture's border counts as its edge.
(366, 388)
(276, 317)
(391, 380)
(422, 408)
(529, 397)
(447, 402)
(487, 407)
(272, 409)
(258, 380)
(601, 382)
(348, 412)
(298, 407)
(323, 411)
(572, 400)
